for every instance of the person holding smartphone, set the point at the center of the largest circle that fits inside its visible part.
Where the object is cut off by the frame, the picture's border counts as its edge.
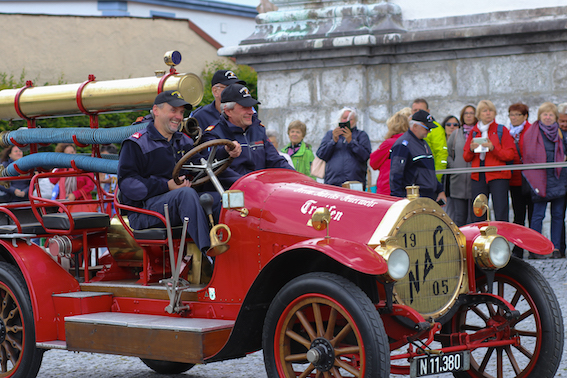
(346, 150)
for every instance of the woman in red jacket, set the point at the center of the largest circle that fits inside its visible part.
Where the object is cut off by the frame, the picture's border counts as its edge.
(521, 204)
(380, 159)
(74, 187)
(489, 144)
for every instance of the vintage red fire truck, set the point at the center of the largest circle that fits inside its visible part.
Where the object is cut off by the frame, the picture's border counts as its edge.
(328, 281)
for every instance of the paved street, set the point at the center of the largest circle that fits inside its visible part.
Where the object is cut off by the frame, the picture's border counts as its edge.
(64, 364)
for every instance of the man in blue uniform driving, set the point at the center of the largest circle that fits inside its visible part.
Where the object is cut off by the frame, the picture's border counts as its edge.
(146, 163)
(239, 123)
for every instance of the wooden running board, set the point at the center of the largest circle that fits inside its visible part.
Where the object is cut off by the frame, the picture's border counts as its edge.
(147, 336)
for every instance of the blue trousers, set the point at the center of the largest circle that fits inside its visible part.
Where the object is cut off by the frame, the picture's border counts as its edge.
(557, 219)
(182, 202)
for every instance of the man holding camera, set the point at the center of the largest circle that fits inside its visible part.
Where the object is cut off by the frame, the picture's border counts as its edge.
(412, 161)
(346, 150)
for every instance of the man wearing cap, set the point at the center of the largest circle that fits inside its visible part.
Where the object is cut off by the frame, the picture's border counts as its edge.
(412, 161)
(146, 162)
(209, 115)
(237, 123)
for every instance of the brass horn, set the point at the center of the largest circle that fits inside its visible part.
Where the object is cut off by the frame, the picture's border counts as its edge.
(219, 246)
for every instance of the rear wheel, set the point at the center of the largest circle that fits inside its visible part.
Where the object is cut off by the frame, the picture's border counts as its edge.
(540, 326)
(19, 357)
(167, 367)
(323, 325)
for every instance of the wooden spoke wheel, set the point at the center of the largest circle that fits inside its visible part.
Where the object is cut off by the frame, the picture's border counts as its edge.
(207, 166)
(539, 327)
(323, 325)
(19, 356)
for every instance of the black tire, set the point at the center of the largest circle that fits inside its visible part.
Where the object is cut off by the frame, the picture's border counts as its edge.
(19, 356)
(167, 367)
(363, 348)
(540, 326)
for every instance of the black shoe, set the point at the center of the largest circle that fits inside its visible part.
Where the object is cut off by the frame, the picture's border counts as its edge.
(535, 256)
(556, 254)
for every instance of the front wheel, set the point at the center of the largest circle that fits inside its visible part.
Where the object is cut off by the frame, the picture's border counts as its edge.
(167, 367)
(19, 356)
(540, 326)
(321, 324)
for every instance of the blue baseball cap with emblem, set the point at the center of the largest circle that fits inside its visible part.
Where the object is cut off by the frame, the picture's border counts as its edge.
(238, 93)
(173, 98)
(424, 118)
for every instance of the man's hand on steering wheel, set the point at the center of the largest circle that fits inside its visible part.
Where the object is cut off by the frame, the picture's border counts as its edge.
(235, 151)
(172, 185)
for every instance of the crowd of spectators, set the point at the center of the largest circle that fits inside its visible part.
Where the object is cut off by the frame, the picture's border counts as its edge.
(475, 139)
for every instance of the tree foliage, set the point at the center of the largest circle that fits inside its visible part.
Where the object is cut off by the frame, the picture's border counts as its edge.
(243, 72)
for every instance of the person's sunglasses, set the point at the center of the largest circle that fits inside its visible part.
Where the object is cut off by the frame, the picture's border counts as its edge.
(452, 124)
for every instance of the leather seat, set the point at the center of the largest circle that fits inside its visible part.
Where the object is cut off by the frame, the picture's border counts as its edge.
(60, 221)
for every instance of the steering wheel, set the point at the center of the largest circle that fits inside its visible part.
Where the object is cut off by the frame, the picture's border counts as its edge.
(207, 168)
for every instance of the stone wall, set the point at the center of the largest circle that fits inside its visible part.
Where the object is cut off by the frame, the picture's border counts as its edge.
(503, 56)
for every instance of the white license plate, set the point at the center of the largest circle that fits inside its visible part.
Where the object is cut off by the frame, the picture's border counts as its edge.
(440, 363)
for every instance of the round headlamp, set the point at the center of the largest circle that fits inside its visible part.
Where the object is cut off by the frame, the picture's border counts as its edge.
(397, 259)
(491, 251)
(398, 264)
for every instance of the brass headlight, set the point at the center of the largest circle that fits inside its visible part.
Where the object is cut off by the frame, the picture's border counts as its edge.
(397, 259)
(491, 251)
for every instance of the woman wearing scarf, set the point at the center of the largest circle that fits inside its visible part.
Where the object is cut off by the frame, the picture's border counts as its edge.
(493, 151)
(300, 152)
(460, 184)
(521, 203)
(543, 143)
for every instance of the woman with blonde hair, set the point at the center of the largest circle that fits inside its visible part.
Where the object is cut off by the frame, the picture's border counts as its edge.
(544, 143)
(380, 159)
(490, 145)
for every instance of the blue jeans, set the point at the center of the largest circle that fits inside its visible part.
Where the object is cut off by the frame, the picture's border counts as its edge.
(182, 202)
(557, 219)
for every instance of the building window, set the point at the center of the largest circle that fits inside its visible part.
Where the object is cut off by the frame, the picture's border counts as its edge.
(113, 8)
(162, 14)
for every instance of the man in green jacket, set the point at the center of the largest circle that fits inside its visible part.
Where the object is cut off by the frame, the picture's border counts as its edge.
(436, 139)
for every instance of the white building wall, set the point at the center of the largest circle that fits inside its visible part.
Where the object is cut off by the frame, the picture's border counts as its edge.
(225, 29)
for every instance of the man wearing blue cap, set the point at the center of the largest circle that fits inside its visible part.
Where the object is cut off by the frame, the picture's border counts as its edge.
(239, 123)
(412, 161)
(209, 115)
(145, 166)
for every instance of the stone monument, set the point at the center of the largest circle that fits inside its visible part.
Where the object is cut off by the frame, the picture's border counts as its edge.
(315, 56)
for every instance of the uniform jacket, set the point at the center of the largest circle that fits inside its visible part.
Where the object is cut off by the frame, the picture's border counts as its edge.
(207, 115)
(413, 164)
(501, 153)
(257, 151)
(380, 161)
(460, 184)
(302, 158)
(345, 161)
(437, 140)
(146, 164)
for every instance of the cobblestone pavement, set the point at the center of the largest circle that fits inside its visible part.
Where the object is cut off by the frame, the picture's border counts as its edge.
(64, 364)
